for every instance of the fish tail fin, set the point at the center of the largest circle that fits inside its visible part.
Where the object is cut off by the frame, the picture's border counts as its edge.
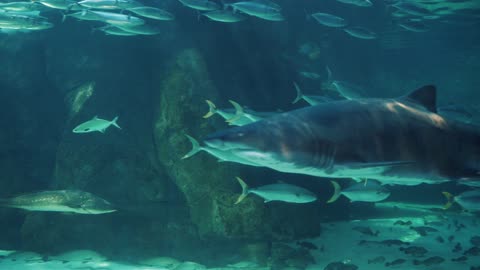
(329, 74)
(114, 122)
(449, 198)
(336, 192)
(244, 190)
(64, 17)
(195, 147)
(238, 112)
(299, 93)
(212, 109)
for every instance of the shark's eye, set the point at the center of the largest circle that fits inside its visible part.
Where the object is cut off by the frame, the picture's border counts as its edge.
(87, 129)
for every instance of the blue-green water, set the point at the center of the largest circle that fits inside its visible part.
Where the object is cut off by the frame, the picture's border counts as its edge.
(60, 67)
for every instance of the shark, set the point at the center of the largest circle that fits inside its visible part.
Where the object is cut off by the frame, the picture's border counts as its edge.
(400, 141)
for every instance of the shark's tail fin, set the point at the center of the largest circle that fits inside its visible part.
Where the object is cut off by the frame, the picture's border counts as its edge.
(244, 190)
(212, 109)
(299, 93)
(195, 147)
(114, 122)
(450, 198)
(239, 113)
(336, 192)
(4, 202)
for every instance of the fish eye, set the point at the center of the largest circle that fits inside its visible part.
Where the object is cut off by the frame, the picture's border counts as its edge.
(87, 129)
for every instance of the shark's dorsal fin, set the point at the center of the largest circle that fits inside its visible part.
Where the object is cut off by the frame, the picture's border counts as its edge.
(425, 96)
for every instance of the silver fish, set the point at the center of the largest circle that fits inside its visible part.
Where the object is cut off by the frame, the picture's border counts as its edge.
(96, 124)
(360, 32)
(359, 3)
(226, 16)
(60, 4)
(257, 9)
(223, 156)
(109, 4)
(115, 31)
(329, 19)
(310, 99)
(153, 13)
(69, 201)
(116, 19)
(203, 5)
(277, 192)
(143, 29)
(369, 191)
(19, 6)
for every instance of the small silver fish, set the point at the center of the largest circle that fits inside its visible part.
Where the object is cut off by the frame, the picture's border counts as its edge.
(370, 191)
(68, 201)
(96, 124)
(277, 192)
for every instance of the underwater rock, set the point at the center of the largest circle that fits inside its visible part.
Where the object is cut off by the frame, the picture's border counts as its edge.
(206, 184)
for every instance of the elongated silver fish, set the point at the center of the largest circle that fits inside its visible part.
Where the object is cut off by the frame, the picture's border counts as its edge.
(359, 3)
(68, 201)
(277, 192)
(203, 5)
(143, 29)
(310, 99)
(109, 4)
(360, 32)
(116, 19)
(258, 9)
(223, 156)
(153, 13)
(329, 19)
(226, 16)
(96, 124)
(397, 141)
(115, 31)
(369, 191)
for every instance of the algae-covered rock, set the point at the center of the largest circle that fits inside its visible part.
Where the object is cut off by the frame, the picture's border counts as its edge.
(206, 184)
